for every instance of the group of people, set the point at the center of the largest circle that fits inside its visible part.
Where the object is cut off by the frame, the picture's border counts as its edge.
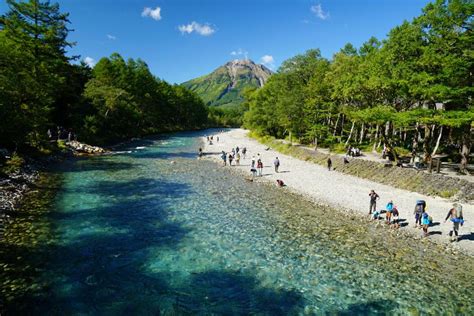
(422, 219)
(61, 134)
(353, 151)
(210, 139)
(234, 155)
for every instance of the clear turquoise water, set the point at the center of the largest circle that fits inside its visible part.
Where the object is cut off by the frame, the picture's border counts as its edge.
(132, 233)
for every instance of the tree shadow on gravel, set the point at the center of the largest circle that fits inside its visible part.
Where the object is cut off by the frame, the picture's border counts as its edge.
(385, 307)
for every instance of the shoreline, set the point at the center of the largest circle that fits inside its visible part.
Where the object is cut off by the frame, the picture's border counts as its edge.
(336, 190)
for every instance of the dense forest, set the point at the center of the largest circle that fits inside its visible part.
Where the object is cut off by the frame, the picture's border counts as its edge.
(412, 92)
(43, 88)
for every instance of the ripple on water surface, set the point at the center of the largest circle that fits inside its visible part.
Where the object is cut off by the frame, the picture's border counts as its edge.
(134, 233)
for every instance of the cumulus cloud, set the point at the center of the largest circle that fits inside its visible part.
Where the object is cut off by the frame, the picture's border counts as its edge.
(111, 37)
(155, 13)
(268, 61)
(240, 52)
(89, 61)
(201, 29)
(317, 9)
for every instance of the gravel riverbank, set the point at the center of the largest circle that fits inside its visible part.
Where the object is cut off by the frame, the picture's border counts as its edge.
(343, 191)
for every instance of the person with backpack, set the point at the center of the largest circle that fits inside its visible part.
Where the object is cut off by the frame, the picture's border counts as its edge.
(425, 222)
(456, 217)
(276, 163)
(395, 218)
(419, 210)
(388, 212)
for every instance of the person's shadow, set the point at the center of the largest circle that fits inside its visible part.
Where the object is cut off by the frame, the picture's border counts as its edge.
(467, 237)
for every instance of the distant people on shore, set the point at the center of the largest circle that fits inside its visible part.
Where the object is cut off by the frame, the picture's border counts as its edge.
(230, 159)
(252, 163)
(419, 210)
(353, 151)
(388, 212)
(280, 183)
(425, 222)
(276, 163)
(244, 152)
(329, 162)
(456, 217)
(260, 167)
(224, 158)
(200, 152)
(237, 159)
(373, 201)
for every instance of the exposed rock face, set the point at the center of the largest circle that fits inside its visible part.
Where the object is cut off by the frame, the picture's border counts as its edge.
(224, 86)
(84, 148)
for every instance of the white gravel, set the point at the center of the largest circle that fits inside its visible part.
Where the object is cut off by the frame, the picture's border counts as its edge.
(342, 191)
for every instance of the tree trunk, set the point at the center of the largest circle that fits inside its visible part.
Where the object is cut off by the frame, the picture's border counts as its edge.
(414, 147)
(315, 144)
(376, 138)
(437, 141)
(342, 129)
(427, 143)
(350, 134)
(335, 125)
(389, 144)
(362, 133)
(465, 147)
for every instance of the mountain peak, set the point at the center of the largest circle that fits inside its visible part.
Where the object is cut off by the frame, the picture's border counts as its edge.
(224, 86)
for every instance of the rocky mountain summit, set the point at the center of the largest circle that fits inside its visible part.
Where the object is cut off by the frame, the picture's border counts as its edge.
(225, 85)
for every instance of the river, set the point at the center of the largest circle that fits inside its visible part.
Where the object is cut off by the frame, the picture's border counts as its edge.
(135, 233)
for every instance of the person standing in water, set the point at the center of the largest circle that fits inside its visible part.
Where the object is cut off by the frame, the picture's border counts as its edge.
(276, 163)
(373, 201)
(456, 217)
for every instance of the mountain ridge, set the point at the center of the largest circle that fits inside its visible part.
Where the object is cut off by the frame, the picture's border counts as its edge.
(224, 86)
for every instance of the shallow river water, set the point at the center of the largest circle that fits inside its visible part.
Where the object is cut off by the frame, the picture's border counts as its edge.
(133, 233)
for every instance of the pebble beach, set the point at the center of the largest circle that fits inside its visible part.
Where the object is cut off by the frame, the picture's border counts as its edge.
(343, 192)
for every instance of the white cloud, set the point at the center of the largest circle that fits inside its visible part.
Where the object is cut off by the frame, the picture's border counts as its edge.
(89, 61)
(240, 52)
(317, 9)
(201, 29)
(155, 14)
(268, 61)
(111, 37)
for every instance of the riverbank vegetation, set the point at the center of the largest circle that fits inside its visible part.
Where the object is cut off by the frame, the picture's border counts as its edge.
(45, 92)
(411, 92)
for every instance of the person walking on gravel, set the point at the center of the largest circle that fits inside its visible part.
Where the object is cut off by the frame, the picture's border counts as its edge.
(373, 201)
(329, 163)
(276, 163)
(456, 217)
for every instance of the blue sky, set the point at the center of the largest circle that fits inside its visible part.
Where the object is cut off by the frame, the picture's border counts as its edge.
(184, 39)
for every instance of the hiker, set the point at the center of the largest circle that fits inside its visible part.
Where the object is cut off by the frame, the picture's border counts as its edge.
(244, 151)
(425, 222)
(419, 210)
(456, 217)
(200, 152)
(395, 218)
(260, 167)
(254, 172)
(224, 158)
(233, 151)
(376, 215)
(231, 157)
(346, 161)
(276, 163)
(329, 163)
(280, 183)
(237, 159)
(252, 165)
(237, 149)
(388, 212)
(373, 201)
